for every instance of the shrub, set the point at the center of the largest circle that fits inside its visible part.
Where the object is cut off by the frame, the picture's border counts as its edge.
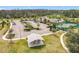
(27, 29)
(73, 42)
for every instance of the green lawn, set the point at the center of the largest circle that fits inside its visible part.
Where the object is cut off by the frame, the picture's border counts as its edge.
(52, 45)
(0, 27)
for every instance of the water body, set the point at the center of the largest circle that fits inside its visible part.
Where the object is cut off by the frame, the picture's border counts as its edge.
(67, 25)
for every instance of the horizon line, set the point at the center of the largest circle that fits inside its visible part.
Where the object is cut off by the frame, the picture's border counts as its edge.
(39, 7)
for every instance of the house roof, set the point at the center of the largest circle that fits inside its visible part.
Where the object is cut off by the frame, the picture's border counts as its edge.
(33, 37)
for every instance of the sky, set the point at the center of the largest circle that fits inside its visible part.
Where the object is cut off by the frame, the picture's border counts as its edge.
(40, 7)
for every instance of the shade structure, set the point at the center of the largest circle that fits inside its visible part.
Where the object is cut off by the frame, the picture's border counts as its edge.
(35, 40)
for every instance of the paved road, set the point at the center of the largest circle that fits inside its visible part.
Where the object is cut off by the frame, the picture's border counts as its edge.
(18, 29)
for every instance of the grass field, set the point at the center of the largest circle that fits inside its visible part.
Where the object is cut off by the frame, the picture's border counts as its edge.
(3, 31)
(52, 45)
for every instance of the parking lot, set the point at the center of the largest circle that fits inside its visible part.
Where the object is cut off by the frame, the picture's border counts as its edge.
(18, 29)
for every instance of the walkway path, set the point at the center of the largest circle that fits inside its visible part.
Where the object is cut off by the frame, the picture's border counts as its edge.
(62, 42)
(4, 36)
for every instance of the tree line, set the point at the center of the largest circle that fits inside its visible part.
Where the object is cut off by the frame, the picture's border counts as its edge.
(37, 12)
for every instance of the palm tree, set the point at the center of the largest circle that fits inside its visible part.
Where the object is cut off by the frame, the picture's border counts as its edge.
(54, 25)
(45, 21)
(50, 26)
(3, 23)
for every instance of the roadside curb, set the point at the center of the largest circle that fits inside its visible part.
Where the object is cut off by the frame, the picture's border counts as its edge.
(46, 34)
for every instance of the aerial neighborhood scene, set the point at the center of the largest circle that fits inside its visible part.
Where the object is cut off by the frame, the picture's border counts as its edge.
(39, 29)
